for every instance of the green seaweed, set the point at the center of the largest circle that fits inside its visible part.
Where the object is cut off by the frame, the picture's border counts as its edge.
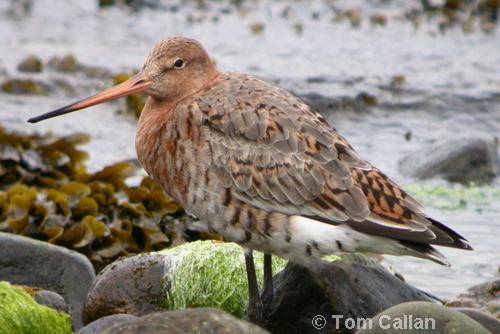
(24, 86)
(454, 197)
(212, 274)
(20, 313)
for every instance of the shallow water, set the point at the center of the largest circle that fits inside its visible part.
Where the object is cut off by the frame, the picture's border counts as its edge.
(452, 86)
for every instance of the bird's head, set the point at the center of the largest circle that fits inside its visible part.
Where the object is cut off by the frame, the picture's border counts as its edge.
(176, 67)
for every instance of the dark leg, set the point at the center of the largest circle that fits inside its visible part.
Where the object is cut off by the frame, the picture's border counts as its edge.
(267, 290)
(254, 301)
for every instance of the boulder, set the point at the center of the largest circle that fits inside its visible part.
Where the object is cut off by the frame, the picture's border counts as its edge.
(486, 320)
(484, 297)
(461, 159)
(100, 325)
(351, 288)
(423, 318)
(51, 299)
(201, 273)
(132, 285)
(198, 320)
(38, 264)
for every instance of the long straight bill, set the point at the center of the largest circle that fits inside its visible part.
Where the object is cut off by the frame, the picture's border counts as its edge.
(136, 84)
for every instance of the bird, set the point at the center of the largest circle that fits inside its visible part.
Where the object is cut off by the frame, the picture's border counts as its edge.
(258, 166)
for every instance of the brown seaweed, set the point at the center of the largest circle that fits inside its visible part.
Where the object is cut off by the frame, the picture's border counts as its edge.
(47, 193)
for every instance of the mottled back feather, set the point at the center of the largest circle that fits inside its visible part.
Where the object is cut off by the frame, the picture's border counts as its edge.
(272, 151)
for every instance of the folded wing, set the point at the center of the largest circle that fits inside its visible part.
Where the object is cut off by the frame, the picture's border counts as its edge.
(275, 153)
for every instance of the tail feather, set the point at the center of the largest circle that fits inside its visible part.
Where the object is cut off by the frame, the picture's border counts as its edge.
(435, 234)
(457, 241)
(426, 251)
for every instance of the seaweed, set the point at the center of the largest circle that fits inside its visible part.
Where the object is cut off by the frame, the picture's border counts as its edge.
(20, 313)
(47, 193)
(212, 274)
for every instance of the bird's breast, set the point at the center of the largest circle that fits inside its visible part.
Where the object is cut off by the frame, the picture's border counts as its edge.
(169, 146)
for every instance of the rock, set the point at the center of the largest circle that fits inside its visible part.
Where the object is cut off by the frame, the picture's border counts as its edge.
(211, 274)
(67, 63)
(30, 64)
(20, 313)
(424, 318)
(321, 103)
(486, 320)
(47, 192)
(51, 299)
(257, 28)
(356, 288)
(202, 273)
(378, 19)
(39, 264)
(25, 87)
(324, 104)
(367, 99)
(485, 297)
(462, 159)
(197, 320)
(100, 325)
(136, 4)
(133, 285)
(106, 3)
(398, 81)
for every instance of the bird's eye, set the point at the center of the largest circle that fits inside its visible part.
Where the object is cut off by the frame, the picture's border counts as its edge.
(179, 63)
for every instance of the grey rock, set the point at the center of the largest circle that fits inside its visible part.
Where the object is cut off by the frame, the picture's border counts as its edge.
(325, 104)
(353, 289)
(461, 159)
(38, 264)
(197, 320)
(100, 325)
(51, 299)
(429, 317)
(484, 297)
(486, 320)
(132, 285)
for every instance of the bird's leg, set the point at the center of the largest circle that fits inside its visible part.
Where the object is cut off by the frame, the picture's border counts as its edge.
(267, 289)
(254, 300)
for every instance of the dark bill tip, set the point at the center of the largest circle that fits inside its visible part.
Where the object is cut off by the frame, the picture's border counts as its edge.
(53, 113)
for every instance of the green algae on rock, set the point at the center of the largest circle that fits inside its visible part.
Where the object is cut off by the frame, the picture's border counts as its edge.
(20, 313)
(24, 87)
(454, 197)
(67, 63)
(30, 64)
(211, 274)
